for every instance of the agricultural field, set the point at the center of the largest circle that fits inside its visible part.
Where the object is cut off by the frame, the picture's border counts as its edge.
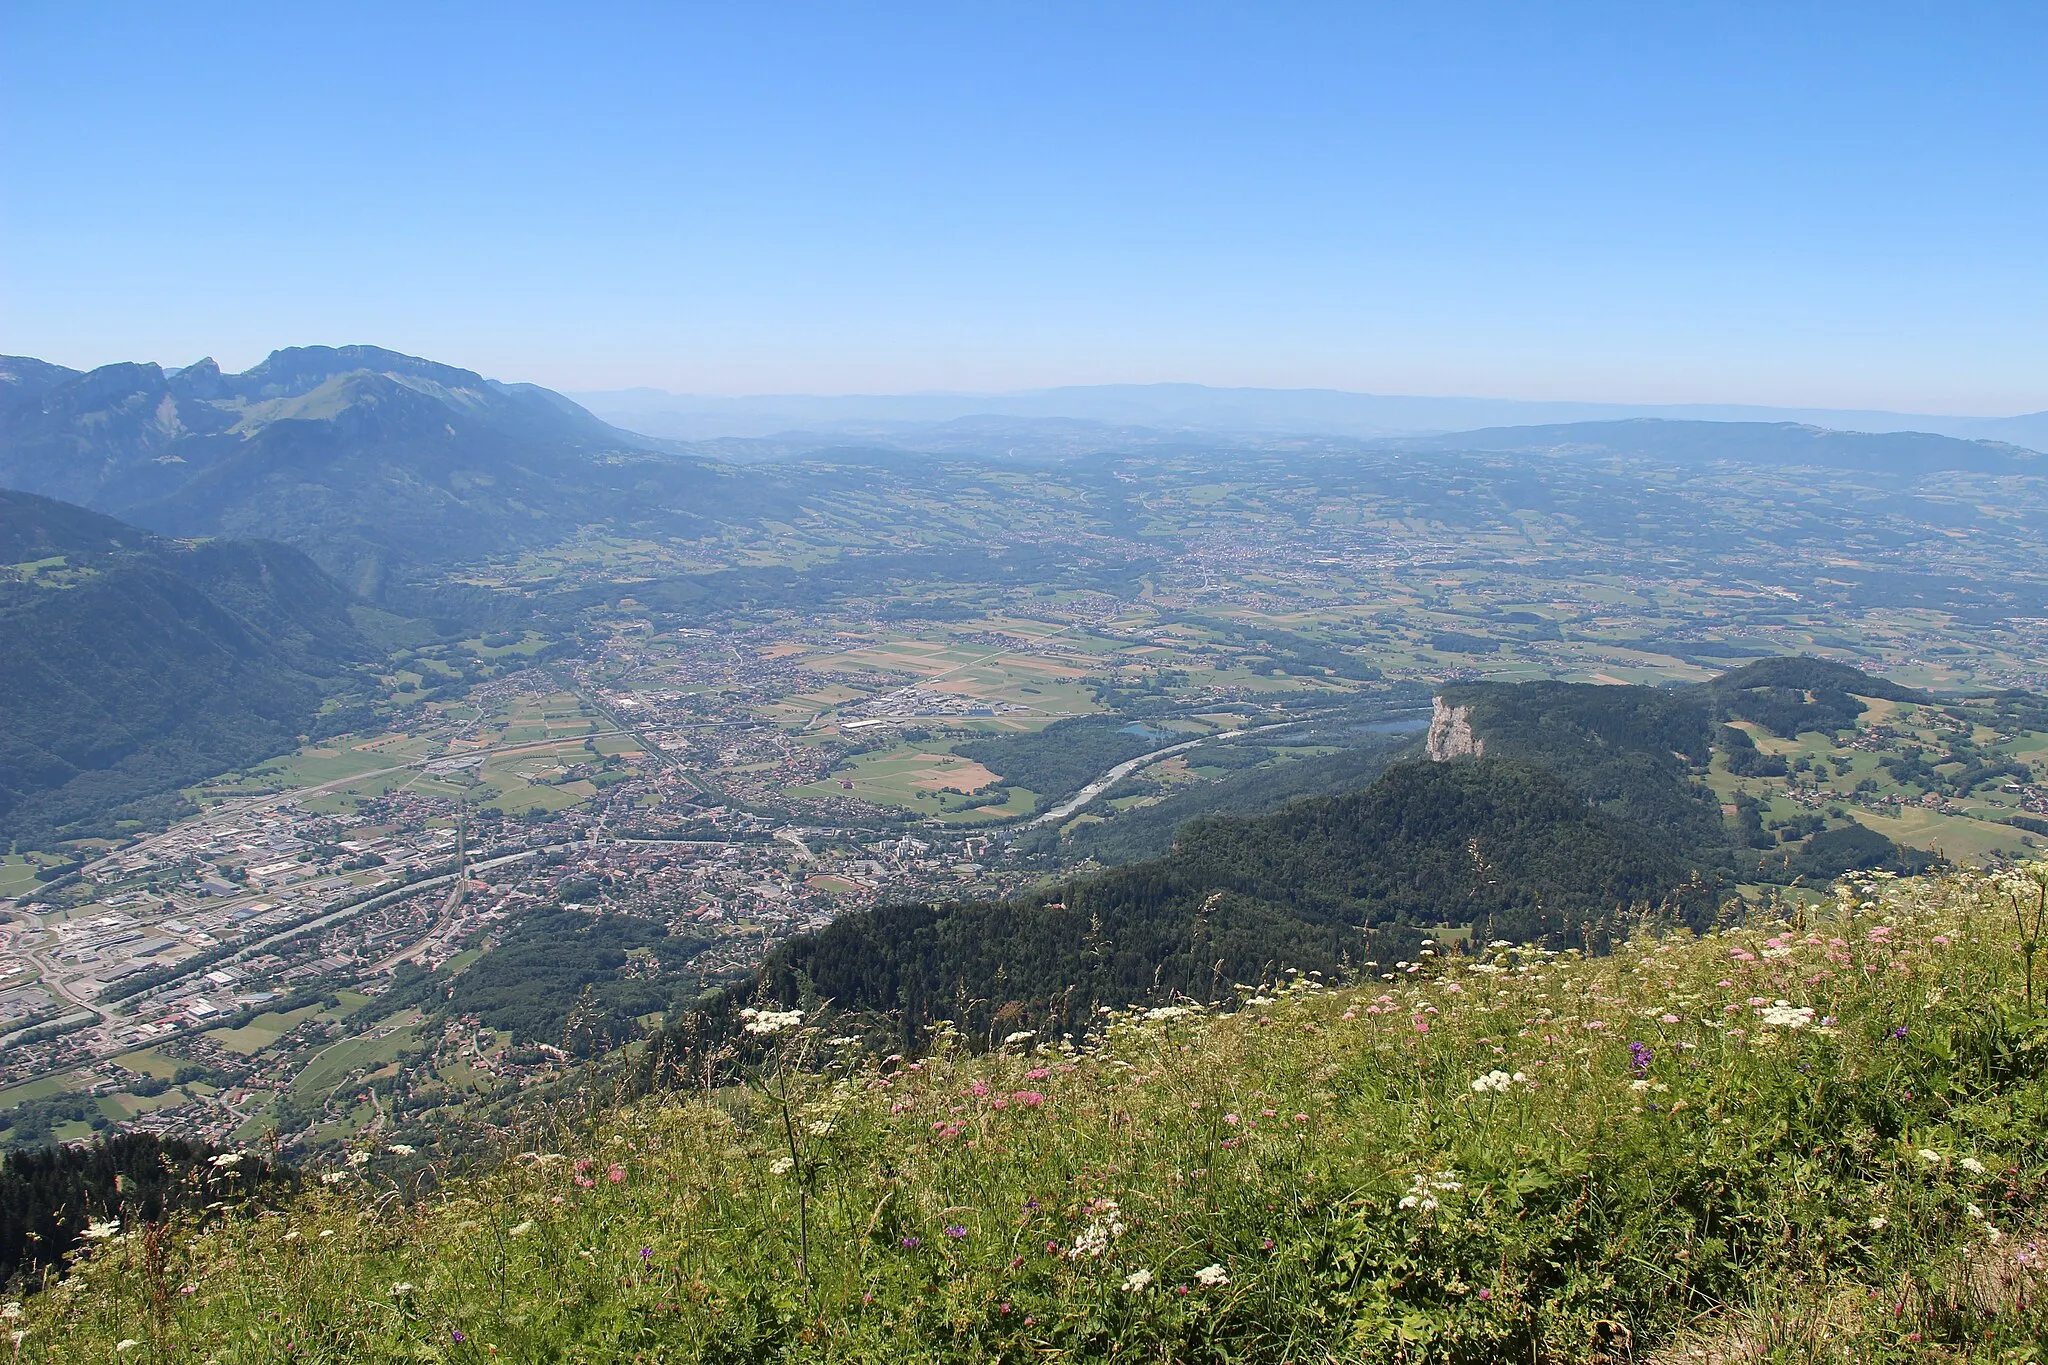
(1927, 776)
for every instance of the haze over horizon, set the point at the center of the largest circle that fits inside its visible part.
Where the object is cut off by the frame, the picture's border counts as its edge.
(1828, 208)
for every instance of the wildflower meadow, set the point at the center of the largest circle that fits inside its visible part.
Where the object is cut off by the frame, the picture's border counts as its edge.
(1815, 1137)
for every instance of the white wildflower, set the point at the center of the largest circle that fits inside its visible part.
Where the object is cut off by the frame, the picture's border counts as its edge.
(818, 1127)
(1137, 1280)
(1211, 1277)
(1158, 1015)
(358, 1158)
(521, 1229)
(126, 1344)
(846, 1040)
(402, 1149)
(100, 1232)
(782, 1165)
(1492, 1080)
(1785, 1014)
(333, 1177)
(1876, 1223)
(1423, 1190)
(227, 1159)
(403, 1287)
(763, 1022)
(1972, 1165)
(10, 1311)
(1974, 1212)
(1021, 1036)
(1931, 1156)
(1104, 1227)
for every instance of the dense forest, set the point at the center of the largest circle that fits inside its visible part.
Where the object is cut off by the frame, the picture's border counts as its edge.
(50, 1196)
(1502, 847)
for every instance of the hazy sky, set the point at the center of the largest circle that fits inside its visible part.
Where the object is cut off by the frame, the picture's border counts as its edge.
(1782, 203)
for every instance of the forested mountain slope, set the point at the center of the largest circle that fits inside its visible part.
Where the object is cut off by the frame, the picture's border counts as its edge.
(130, 665)
(1506, 848)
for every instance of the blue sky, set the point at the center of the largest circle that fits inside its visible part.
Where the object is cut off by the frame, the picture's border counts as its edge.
(1839, 204)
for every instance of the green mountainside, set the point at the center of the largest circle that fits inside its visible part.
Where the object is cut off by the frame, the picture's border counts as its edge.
(130, 666)
(375, 463)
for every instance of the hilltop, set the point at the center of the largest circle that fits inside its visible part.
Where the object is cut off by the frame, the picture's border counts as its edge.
(1814, 1138)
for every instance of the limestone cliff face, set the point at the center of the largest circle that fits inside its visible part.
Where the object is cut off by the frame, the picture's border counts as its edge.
(1450, 733)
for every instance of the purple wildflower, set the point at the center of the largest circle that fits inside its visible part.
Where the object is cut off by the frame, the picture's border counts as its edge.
(1640, 1057)
(956, 1232)
(459, 1336)
(646, 1253)
(912, 1243)
(1899, 1032)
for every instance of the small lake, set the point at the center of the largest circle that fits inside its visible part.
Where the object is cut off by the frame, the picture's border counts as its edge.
(1396, 727)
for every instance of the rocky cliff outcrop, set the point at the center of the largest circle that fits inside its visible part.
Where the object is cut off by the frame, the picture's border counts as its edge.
(1450, 733)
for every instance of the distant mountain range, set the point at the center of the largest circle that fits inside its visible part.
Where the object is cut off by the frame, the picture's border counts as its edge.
(1767, 443)
(1185, 409)
(373, 462)
(131, 666)
(387, 470)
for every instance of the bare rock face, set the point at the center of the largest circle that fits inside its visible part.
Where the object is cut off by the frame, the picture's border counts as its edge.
(1450, 733)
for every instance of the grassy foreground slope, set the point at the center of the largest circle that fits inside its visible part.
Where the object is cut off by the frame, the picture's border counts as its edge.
(1818, 1139)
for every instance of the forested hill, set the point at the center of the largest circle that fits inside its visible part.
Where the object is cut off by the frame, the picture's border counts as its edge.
(1506, 848)
(1559, 813)
(131, 666)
